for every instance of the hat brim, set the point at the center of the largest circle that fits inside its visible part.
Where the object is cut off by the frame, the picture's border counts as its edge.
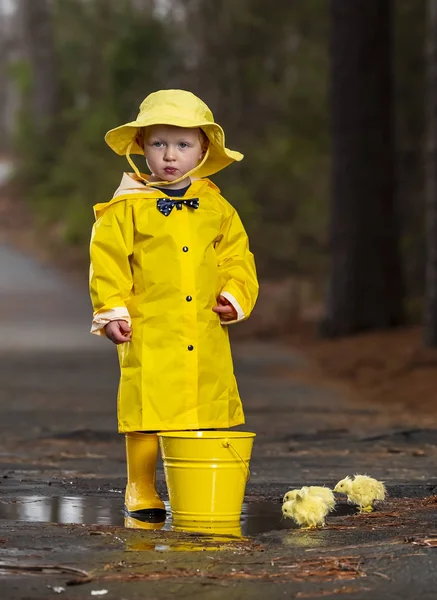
(123, 137)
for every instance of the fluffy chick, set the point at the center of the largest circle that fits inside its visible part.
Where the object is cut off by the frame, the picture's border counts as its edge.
(362, 491)
(290, 496)
(314, 490)
(308, 511)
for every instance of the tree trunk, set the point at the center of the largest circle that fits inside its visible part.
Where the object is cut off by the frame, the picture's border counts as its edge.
(38, 42)
(430, 336)
(9, 98)
(4, 83)
(365, 287)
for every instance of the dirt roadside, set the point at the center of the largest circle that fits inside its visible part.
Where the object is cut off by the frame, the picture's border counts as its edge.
(391, 368)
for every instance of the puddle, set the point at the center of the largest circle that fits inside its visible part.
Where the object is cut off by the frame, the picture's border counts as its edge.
(256, 517)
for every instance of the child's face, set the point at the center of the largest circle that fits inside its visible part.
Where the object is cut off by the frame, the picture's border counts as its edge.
(172, 151)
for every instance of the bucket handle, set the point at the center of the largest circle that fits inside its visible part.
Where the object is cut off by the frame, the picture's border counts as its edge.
(227, 444)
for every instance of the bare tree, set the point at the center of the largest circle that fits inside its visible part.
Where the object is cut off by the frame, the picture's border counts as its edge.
(38, 42)
(3, 78)
(9, 99)
(365, 287)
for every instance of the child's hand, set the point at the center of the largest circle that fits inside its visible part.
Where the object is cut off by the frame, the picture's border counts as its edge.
(118, 332)
(225, 309)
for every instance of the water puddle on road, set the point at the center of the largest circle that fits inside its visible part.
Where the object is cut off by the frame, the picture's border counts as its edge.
(256, 517)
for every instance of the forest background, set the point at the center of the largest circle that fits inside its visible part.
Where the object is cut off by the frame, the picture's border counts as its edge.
(72, 69)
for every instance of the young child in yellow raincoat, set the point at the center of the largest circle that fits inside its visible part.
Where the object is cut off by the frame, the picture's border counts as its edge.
(170, 269)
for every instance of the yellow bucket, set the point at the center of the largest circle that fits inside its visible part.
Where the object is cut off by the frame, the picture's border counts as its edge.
(206, 474)
(229, 530)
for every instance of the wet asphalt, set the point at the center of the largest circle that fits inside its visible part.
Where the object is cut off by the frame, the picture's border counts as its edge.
(62, 474)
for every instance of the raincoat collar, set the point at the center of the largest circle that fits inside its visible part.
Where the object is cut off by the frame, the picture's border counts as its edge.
(132, 186)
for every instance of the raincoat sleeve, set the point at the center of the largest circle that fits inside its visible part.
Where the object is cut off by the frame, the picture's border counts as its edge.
(237, 268)
(110, 271)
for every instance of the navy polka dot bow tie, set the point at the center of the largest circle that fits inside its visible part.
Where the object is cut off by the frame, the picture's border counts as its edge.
(165, 205)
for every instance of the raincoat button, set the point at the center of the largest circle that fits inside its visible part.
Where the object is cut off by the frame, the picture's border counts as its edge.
(190, 347)
(185, 249)
(188, 298)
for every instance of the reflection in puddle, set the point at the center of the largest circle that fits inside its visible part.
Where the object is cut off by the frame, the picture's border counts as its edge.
(256, 517)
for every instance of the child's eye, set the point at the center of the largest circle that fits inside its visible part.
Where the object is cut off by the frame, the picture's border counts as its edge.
(157, 144)
(183, 145)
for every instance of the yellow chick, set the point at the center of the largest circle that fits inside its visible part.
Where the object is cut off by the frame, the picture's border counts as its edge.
(290, 495)
(362, 491)
(308, 511)
(314, 490)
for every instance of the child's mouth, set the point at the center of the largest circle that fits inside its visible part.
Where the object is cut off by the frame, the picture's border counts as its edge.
(170, 170)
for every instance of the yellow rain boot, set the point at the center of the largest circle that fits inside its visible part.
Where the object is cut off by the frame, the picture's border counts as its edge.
(132, 523)
(141, 455)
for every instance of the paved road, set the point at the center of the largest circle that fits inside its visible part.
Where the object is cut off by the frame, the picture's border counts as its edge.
(58, 441)
(40, 309)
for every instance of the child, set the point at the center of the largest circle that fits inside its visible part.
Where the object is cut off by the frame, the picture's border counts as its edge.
(170, 269)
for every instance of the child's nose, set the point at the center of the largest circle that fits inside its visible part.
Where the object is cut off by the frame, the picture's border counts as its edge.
(169, 153)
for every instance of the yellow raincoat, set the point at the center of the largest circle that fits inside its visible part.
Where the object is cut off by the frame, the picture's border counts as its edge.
(164, 274)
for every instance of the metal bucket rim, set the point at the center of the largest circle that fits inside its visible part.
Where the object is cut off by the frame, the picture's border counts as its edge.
(207, 435)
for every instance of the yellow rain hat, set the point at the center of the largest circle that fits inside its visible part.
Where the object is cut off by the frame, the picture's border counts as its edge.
(182, 109)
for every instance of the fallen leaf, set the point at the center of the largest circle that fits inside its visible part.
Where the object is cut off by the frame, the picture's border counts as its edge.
(429, 500)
